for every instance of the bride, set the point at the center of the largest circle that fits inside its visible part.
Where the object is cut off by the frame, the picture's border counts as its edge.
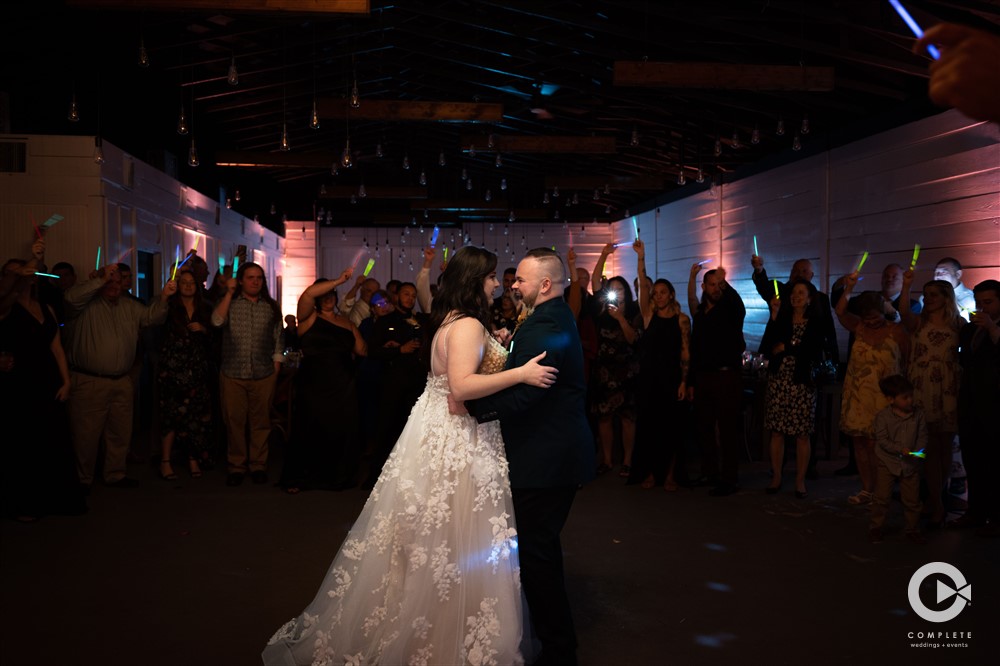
(429, 572)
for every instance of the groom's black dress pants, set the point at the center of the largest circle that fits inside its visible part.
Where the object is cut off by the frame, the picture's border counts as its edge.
(540, 514)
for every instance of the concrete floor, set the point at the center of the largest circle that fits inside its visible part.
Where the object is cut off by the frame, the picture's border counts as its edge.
(194, 573)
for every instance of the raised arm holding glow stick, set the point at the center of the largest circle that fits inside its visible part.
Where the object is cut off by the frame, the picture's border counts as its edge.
(916, 253)
(434, 236)
(635, 225)
(755, 250)
(177, 260)
(368, 268)
(861, 263)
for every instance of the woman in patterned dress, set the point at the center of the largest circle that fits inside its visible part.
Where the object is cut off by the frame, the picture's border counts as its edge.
(792, 344)
(880, 349)
(934, 371)
(429, 573)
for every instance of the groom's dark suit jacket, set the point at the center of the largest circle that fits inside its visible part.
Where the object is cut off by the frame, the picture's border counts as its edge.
(548, 441)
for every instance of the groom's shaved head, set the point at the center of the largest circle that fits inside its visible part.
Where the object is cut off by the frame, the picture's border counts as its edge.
(549, 262)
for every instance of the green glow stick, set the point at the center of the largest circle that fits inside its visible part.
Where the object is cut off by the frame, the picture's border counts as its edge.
(368, 268)
(97, 264)
(776, 294)
(918, 454)
(755, 250)
(861, 263)
(916, 253)
(446, 253)
(177, 260)
(46, 275)
(236, 264)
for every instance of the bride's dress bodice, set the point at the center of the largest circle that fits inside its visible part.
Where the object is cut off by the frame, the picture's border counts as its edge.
(428, 574)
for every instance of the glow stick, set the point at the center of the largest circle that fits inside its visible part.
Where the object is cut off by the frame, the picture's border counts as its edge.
(918, 454)
(182, 263)
(357, 257)
(861, 263)
(195, 248)
(124, 255)
(222, 262)
(703, 262)
(177, 260)
(368, 268)
(622, 244)
(776, 294)
(916, 253)
(635, 225)
(446, 253)
(570, 231)
(434, 236)
(755, 250)
(236, 264)
(37, 230)
(914, 27)
(46, 275)
(97, 264)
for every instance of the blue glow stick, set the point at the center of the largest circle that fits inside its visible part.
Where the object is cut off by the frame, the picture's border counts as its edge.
(635, 225)
(703, 262)
(222, 262)
(918, 454)
(755, 250)
(236, 264)
(97, 264)
(434, 236)
(46, 275)
(914, 27)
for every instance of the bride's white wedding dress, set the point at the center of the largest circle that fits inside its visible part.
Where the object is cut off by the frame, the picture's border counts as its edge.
(429, 572)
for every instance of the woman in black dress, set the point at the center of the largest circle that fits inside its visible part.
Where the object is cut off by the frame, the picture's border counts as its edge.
(325, 448)
(792, 344)
(664, 354)
(39, 472)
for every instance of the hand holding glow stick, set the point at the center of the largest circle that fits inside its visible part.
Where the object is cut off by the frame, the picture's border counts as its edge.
(434, 236)
(916, 253)
(236, 264)
(918, 454)
(97, 264)
(635, 225)
(755, 250)
(368, 268)
(914, 27)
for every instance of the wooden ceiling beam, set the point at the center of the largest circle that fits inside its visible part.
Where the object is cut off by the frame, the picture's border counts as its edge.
(594, 145)
(719, 76)
(375, 192)
(653, 183)
(248, 159)
(256, 6)
(386, 109)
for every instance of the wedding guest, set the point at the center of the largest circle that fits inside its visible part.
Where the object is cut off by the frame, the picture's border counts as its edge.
(879, 350)
(950, 270)
(965, 77)
(252, 354)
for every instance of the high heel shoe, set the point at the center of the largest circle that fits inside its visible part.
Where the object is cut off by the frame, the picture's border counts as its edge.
(195, 469)
(167, 471)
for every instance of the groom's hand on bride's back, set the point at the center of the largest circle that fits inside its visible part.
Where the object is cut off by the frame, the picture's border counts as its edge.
(455, 407)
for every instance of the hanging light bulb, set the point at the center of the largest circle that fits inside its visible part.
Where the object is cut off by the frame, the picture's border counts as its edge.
(442, 160)
(489, 194)
(780, 129)
(229, 203)
(329, 217)
(555, 215)
(700, 178)
(74, 112)
(355, 97)
(607, 188)
(506, 230)
(583, 231)
(805, 125)
(284, 137)
(491, 227)
(182, 124)
(569, 202)
(576, 199)
(322, 190)
(274, 209)
(510, 218)
(423, 177)
(490, 142)
(362, 192)
(346, 160)
(237, 194)
(597, 194)
(718, 147)
(627, 214)
(98, 150)
(465, 174)
(335, 168)
(406, 162)
(736, 139)
(755, 135)
(193, 156)
(379, 153)
(634, 141)
(498, 162)
(607, 209)
(796, 143)
(314, 117)
(681, 179)
(503, 183)
(354, 199)
(143, 54)
(233, 77)
(468, 185)
(545, 198)
(555, 191)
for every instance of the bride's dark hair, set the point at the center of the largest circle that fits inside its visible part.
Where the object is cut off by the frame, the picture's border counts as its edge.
(461, 288)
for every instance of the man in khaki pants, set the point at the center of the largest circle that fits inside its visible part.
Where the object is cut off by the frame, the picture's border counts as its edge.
(251, 358)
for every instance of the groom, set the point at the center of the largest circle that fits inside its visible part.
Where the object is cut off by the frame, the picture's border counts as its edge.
(549, 444)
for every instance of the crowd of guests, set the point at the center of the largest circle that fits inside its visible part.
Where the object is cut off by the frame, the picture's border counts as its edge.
(657, 377)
